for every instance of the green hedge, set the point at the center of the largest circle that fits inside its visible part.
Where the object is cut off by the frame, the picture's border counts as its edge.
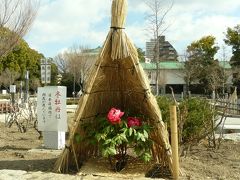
(195, 117)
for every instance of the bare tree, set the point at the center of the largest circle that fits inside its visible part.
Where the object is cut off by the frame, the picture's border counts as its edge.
(8, 77)
(216, 77)
(16, 17)
(61, 62)
(157, 26)
(190, 71)
(76, 61)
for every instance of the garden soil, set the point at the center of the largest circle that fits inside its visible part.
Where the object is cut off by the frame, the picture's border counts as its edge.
(23, 157)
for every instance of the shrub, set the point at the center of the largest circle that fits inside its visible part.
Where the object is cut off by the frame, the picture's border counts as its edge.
(164, 103)
(195, 117)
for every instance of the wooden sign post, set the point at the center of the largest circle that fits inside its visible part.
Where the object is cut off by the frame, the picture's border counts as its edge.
(174, 141)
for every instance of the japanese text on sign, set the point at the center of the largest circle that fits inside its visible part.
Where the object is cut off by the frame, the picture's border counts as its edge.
(52, 114)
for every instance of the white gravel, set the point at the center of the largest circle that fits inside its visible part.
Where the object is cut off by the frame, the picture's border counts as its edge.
(231, 136)
(24, 175)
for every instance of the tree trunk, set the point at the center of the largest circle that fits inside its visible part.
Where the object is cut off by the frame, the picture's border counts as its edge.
(157, 76)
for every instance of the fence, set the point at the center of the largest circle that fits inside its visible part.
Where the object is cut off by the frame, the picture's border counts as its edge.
(7, 107)
(229, 107)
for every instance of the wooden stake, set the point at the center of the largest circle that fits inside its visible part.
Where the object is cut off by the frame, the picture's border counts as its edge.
(174, 140)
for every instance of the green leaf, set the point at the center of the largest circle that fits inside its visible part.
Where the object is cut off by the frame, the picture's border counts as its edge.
(98, 137)
(130, 131)
(107, 129)
(108, 141)
(142, 138)
(138, 150)
(134, 131)
(113, 143)
(103, 136)
(105, 153)
(138, 136)
(93, 141)
(123, 137)
(146, 157)
(112, 151)
(124, 130)
(145, 134)
(117, 139)
(78, 138)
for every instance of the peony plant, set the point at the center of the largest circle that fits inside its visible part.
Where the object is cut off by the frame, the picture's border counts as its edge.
(115, 135)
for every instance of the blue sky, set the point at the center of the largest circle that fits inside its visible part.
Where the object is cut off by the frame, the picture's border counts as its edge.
(60, 24)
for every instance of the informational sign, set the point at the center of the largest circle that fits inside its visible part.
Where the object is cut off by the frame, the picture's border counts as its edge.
(51, 108)
(12, 88)
(45, 71)
(4, 91)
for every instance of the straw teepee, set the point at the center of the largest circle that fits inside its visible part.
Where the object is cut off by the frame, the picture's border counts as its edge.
(116, 80)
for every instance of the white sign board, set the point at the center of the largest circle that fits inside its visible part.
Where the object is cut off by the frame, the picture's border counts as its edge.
(45, 71)
(48, 73)
(12, 88)
(4, 91)
(52, 108)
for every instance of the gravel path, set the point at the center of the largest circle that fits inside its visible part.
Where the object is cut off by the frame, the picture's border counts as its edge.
(232, 136)
(24, 175)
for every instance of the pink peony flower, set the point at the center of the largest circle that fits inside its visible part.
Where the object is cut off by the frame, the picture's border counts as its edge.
(114, 116)
(132, 121)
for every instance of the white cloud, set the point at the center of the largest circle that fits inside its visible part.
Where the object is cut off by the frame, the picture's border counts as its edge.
(208, 6)
(137, 33)
(186, 30)
(61, 23)
(191, 20)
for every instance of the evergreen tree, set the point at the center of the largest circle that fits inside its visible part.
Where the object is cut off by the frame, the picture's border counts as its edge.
(233, 40)
(202, 66)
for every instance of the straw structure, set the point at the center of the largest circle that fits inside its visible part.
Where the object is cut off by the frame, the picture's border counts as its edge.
(116, 80)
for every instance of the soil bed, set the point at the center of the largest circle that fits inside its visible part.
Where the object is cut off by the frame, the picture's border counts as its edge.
(22, 151)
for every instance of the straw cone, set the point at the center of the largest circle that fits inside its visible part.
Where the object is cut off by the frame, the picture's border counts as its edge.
(116, 80)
